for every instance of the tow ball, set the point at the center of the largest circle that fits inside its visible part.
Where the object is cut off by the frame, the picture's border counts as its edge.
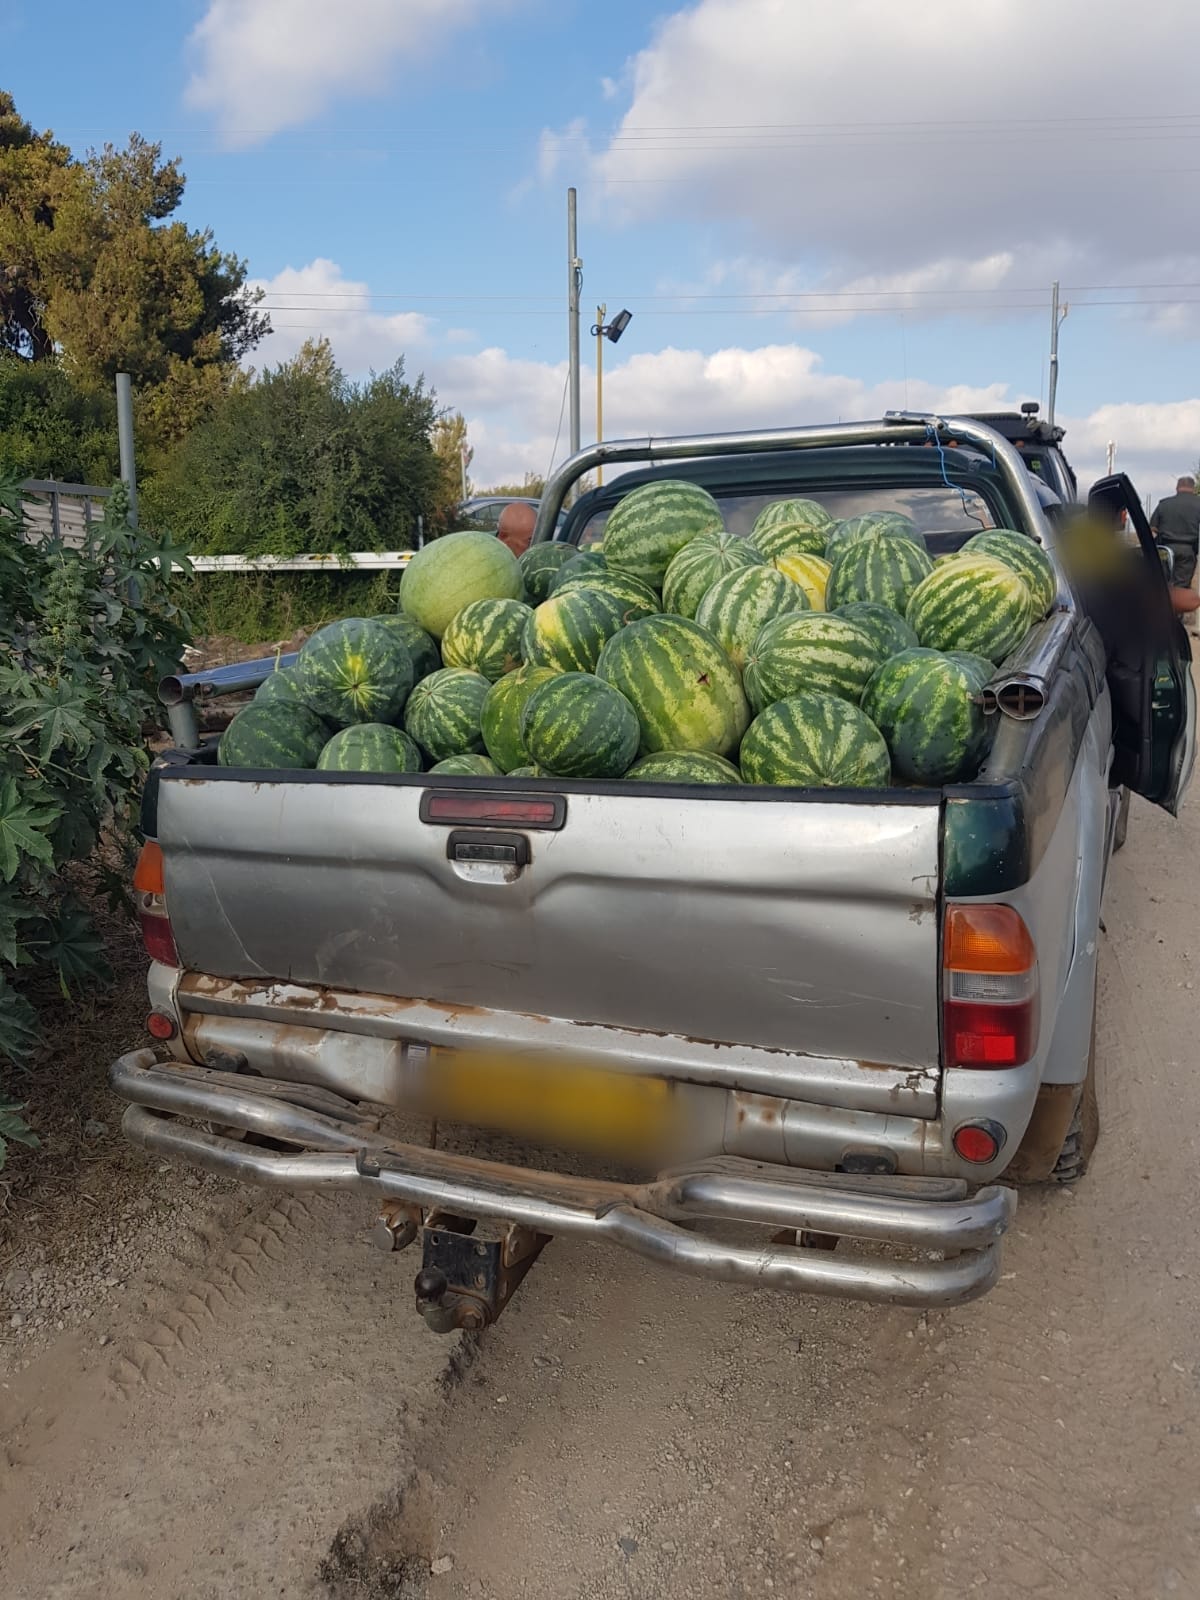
(469, 1270)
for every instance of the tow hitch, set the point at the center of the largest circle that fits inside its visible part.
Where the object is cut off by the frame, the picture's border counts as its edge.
(469, 1270)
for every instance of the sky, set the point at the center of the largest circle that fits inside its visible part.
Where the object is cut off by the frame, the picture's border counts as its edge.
(815, 213)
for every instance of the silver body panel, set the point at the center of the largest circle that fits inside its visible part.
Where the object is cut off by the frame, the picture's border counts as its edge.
(799, 926)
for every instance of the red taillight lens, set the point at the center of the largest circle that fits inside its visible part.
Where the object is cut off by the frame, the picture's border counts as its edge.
(157, 936)
(458, 808)
(990, 988)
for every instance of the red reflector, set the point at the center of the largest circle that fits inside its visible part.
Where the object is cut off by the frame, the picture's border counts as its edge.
(160, 1025)
(456, 807)
(158, 939)
(976, 1142)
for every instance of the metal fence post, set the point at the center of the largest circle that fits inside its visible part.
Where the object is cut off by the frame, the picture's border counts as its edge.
(125, 442)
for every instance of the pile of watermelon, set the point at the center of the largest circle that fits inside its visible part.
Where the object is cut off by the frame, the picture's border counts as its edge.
(813, 652)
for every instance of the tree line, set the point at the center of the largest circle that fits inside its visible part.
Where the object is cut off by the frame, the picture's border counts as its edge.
(98, 275)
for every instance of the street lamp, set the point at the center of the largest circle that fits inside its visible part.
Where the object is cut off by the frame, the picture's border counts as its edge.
(611, 331)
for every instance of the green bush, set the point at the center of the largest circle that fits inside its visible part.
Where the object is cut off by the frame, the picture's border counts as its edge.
(84, 637)
(261, 607)
(49, 428)
(303, 462)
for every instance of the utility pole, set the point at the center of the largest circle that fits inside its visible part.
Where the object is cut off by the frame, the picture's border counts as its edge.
(125, 443)
(462, 461)
(1056, 319)
(574, 284)
(601, 313)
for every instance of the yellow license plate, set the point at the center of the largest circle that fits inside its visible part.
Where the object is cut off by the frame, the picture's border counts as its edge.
(554, 1102)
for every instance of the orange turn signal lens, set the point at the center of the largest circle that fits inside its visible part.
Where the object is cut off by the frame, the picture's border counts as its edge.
(989, 939)
(148, 874)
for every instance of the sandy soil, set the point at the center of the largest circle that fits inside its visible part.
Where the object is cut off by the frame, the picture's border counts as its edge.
(258, 1412)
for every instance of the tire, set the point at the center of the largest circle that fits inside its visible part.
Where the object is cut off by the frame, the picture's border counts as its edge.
(1122, 826)
(1080, 1142)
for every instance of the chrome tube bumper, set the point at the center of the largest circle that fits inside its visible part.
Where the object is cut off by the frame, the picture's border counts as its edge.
(344, 1146)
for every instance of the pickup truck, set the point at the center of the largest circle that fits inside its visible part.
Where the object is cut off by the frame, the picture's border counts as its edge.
(853, 1012)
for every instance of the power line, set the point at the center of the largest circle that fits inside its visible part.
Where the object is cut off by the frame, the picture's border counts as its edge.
(732, 294)
(779, 311)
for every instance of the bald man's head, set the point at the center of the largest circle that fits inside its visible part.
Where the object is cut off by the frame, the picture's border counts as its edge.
(516, 525)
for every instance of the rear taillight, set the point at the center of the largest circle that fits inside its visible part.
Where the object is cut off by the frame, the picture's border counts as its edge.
(150, 888)
(989, 988)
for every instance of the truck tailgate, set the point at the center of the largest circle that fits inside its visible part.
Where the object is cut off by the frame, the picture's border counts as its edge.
(791, 923)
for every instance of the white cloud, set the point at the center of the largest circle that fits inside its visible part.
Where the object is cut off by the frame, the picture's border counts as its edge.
(517, 419)
(316, 301)
(869, 139)
(916, 293)
(1156, 442)
(264, 65)
(512, 408)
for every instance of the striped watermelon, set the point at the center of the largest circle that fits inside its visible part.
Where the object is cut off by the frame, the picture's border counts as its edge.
(486, 637)
(736, 607)
(443, 713)
(810, 651)
(637, 599)
(815, 741)
(885, 569)
(539, 565)
(581, 563)
(500, 722)
(466, 767)
(370, 747)
(529, 771)
(451, 572)
(868, 525)
(810, 573)
(888, 629)
(925, 705)
(654, 522)
(284, 736)
(279, 686)
(355, 671)
(699, 564)
(1019, 552)
(684, 766)
(974, 604)
(791, 528)
(575, 726)
(979, 667)
(685, 690)
(568, 631)
(420, 645)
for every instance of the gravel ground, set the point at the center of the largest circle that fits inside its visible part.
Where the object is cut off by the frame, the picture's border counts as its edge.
(215, 1394)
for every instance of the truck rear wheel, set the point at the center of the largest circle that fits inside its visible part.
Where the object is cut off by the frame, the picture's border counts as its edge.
(1120, 832)
(1081, 1137)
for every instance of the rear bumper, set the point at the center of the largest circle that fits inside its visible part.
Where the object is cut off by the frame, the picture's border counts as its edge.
(342, 1145)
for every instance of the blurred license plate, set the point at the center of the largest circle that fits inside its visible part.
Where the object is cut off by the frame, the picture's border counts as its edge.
(556, 1102)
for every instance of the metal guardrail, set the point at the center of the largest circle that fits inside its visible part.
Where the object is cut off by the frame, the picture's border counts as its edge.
(352, 561)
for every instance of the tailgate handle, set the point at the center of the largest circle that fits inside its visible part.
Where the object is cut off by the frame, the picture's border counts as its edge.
(479, 848)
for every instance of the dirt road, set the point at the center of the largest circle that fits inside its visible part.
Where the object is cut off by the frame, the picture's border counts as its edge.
(271, 1419)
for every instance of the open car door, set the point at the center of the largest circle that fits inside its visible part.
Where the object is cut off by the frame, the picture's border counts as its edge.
(1149, 657)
